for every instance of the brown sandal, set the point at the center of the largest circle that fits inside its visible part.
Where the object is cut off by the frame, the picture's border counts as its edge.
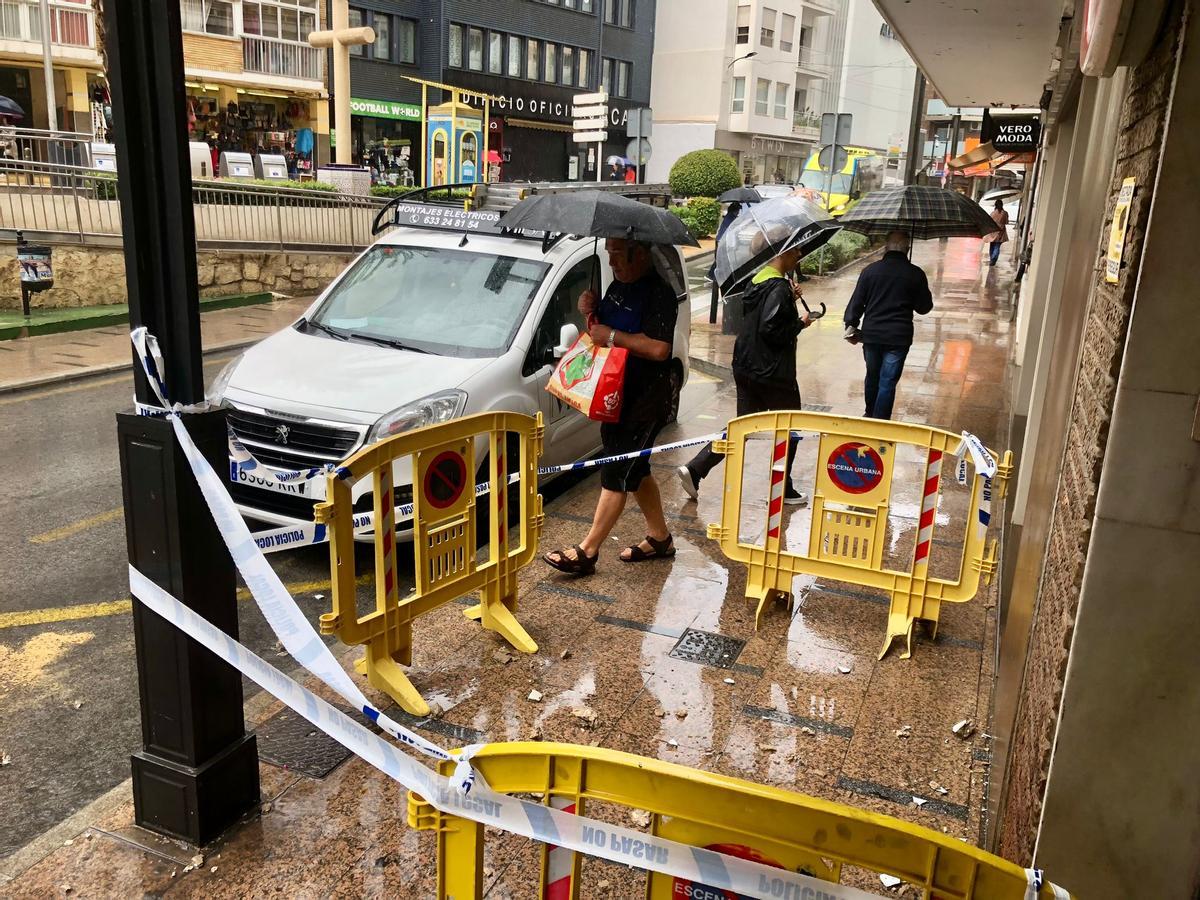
(663, 549)
(582, 564)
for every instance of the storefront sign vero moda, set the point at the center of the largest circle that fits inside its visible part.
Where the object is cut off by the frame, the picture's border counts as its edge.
(385, 109)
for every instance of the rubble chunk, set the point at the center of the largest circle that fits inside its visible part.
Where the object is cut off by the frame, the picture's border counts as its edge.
(535, 697)
(905, 731)
(964, 728)
(640, 817)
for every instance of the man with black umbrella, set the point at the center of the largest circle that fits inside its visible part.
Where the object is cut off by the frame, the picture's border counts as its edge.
(636, 313)
(764, 359)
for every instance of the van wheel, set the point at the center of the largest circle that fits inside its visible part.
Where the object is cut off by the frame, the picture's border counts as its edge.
(676, 390)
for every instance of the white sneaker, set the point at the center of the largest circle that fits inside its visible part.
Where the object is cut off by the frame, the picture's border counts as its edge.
(691, 484)
(793, 497)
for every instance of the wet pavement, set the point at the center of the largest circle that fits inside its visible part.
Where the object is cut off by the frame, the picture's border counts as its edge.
(665, 654)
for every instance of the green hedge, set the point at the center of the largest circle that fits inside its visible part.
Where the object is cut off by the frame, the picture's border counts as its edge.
(701, 216)
(390, 191)
(845, 247)
(704, 173)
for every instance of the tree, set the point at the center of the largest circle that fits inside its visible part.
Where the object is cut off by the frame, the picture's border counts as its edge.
(704, 173)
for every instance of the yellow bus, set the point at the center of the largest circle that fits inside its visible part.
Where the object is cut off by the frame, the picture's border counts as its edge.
(862, 172)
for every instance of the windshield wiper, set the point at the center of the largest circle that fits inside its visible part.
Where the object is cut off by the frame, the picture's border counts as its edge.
(384, 342)
(332, 332)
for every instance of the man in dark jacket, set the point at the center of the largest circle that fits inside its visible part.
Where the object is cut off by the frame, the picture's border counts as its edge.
(764, 362)
(887, 294)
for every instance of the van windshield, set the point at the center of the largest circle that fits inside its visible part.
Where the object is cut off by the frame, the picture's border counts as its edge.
(817, 180)
(433, 300)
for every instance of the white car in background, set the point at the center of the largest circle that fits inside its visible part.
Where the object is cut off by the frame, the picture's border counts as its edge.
(441, 317)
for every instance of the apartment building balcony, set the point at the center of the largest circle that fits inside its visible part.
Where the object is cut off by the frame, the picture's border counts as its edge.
(822, 7)
(72, 31)
(806, 126)
(813, 63)
(280, 58)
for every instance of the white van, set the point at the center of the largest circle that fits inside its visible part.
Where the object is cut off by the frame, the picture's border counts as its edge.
(444, 315)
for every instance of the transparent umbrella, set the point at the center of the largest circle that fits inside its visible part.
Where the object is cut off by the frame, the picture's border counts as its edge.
(763, 231)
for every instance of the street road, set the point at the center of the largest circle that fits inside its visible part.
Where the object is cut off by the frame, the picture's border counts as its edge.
(69, 713)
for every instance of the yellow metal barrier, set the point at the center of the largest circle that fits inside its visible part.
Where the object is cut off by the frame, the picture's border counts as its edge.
(445, 560)
(855, 463)
(766, 824)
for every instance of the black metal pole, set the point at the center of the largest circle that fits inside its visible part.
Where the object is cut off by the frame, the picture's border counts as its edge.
(198, 770)
(916, 147)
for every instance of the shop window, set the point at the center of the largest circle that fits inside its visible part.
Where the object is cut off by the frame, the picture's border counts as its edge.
(475, 49)
(357, 19)
(762, 98)
(208, 16)
(585, 68)
(787, 32)
(766, 34)
(551, 70)
(743, 24)
(532, 53)
(406, 39)
(781, 99)
(439, 157)
(514, 56)
(456, 46)
(495, 52)
(383, 35)
(568, 66)
(739, 96)
(468, 157)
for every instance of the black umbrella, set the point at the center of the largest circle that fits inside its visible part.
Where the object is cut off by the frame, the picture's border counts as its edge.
(920, 211)
(11, 109)
(740, 195)
(765, 230)
(598, 214)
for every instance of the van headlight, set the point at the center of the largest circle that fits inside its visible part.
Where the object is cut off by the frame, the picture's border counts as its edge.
(440, 407)
(216, 391)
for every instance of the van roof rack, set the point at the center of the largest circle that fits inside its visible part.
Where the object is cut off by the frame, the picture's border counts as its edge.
(404, 212)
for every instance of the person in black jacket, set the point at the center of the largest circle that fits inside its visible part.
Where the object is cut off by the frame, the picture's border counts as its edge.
(887, 294)
(764, 362)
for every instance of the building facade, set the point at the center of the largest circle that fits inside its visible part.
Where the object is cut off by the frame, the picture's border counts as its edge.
(531, 56)
(79, 96)
(752, 77)
(1096, 717)
(253, 81)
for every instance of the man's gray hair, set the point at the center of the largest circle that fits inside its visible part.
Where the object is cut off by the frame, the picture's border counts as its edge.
(897, 240)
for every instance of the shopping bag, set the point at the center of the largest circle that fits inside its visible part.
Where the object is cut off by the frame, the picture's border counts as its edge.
(591, 379)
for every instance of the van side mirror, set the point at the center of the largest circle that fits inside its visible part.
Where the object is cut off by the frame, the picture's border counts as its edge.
(567, 336)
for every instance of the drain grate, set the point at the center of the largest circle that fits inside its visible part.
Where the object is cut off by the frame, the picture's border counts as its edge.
(708, 649)
(290, 741)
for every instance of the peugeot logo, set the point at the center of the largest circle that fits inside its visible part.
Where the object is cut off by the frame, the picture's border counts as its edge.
(282, 432)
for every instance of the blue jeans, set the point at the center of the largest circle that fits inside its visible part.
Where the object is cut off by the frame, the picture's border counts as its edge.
(994, 251)
(885, 365)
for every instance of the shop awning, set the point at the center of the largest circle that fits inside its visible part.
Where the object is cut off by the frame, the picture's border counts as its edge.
(985, 154)
(539, 126)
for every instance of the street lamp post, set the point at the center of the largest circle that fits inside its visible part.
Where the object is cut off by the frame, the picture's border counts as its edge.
(197, 771)
(740, 58)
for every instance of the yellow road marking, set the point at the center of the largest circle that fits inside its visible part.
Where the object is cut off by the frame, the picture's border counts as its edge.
(66, 531)
(120, 607)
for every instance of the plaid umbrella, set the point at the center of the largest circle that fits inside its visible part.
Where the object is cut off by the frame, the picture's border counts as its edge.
(921, 212)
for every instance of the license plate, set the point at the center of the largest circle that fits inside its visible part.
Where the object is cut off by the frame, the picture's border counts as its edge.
(266, 481)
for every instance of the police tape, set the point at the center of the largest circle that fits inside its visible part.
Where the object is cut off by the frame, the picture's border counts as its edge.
(303, 534)
(522, 817)
(465, 795)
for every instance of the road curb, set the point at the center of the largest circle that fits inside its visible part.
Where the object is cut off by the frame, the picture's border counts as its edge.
(87, 374)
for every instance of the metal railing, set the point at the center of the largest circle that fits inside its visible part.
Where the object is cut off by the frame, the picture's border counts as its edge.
(71, 23)
(38, 145)
(78, 205)
(289, 59)
(804, 121)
